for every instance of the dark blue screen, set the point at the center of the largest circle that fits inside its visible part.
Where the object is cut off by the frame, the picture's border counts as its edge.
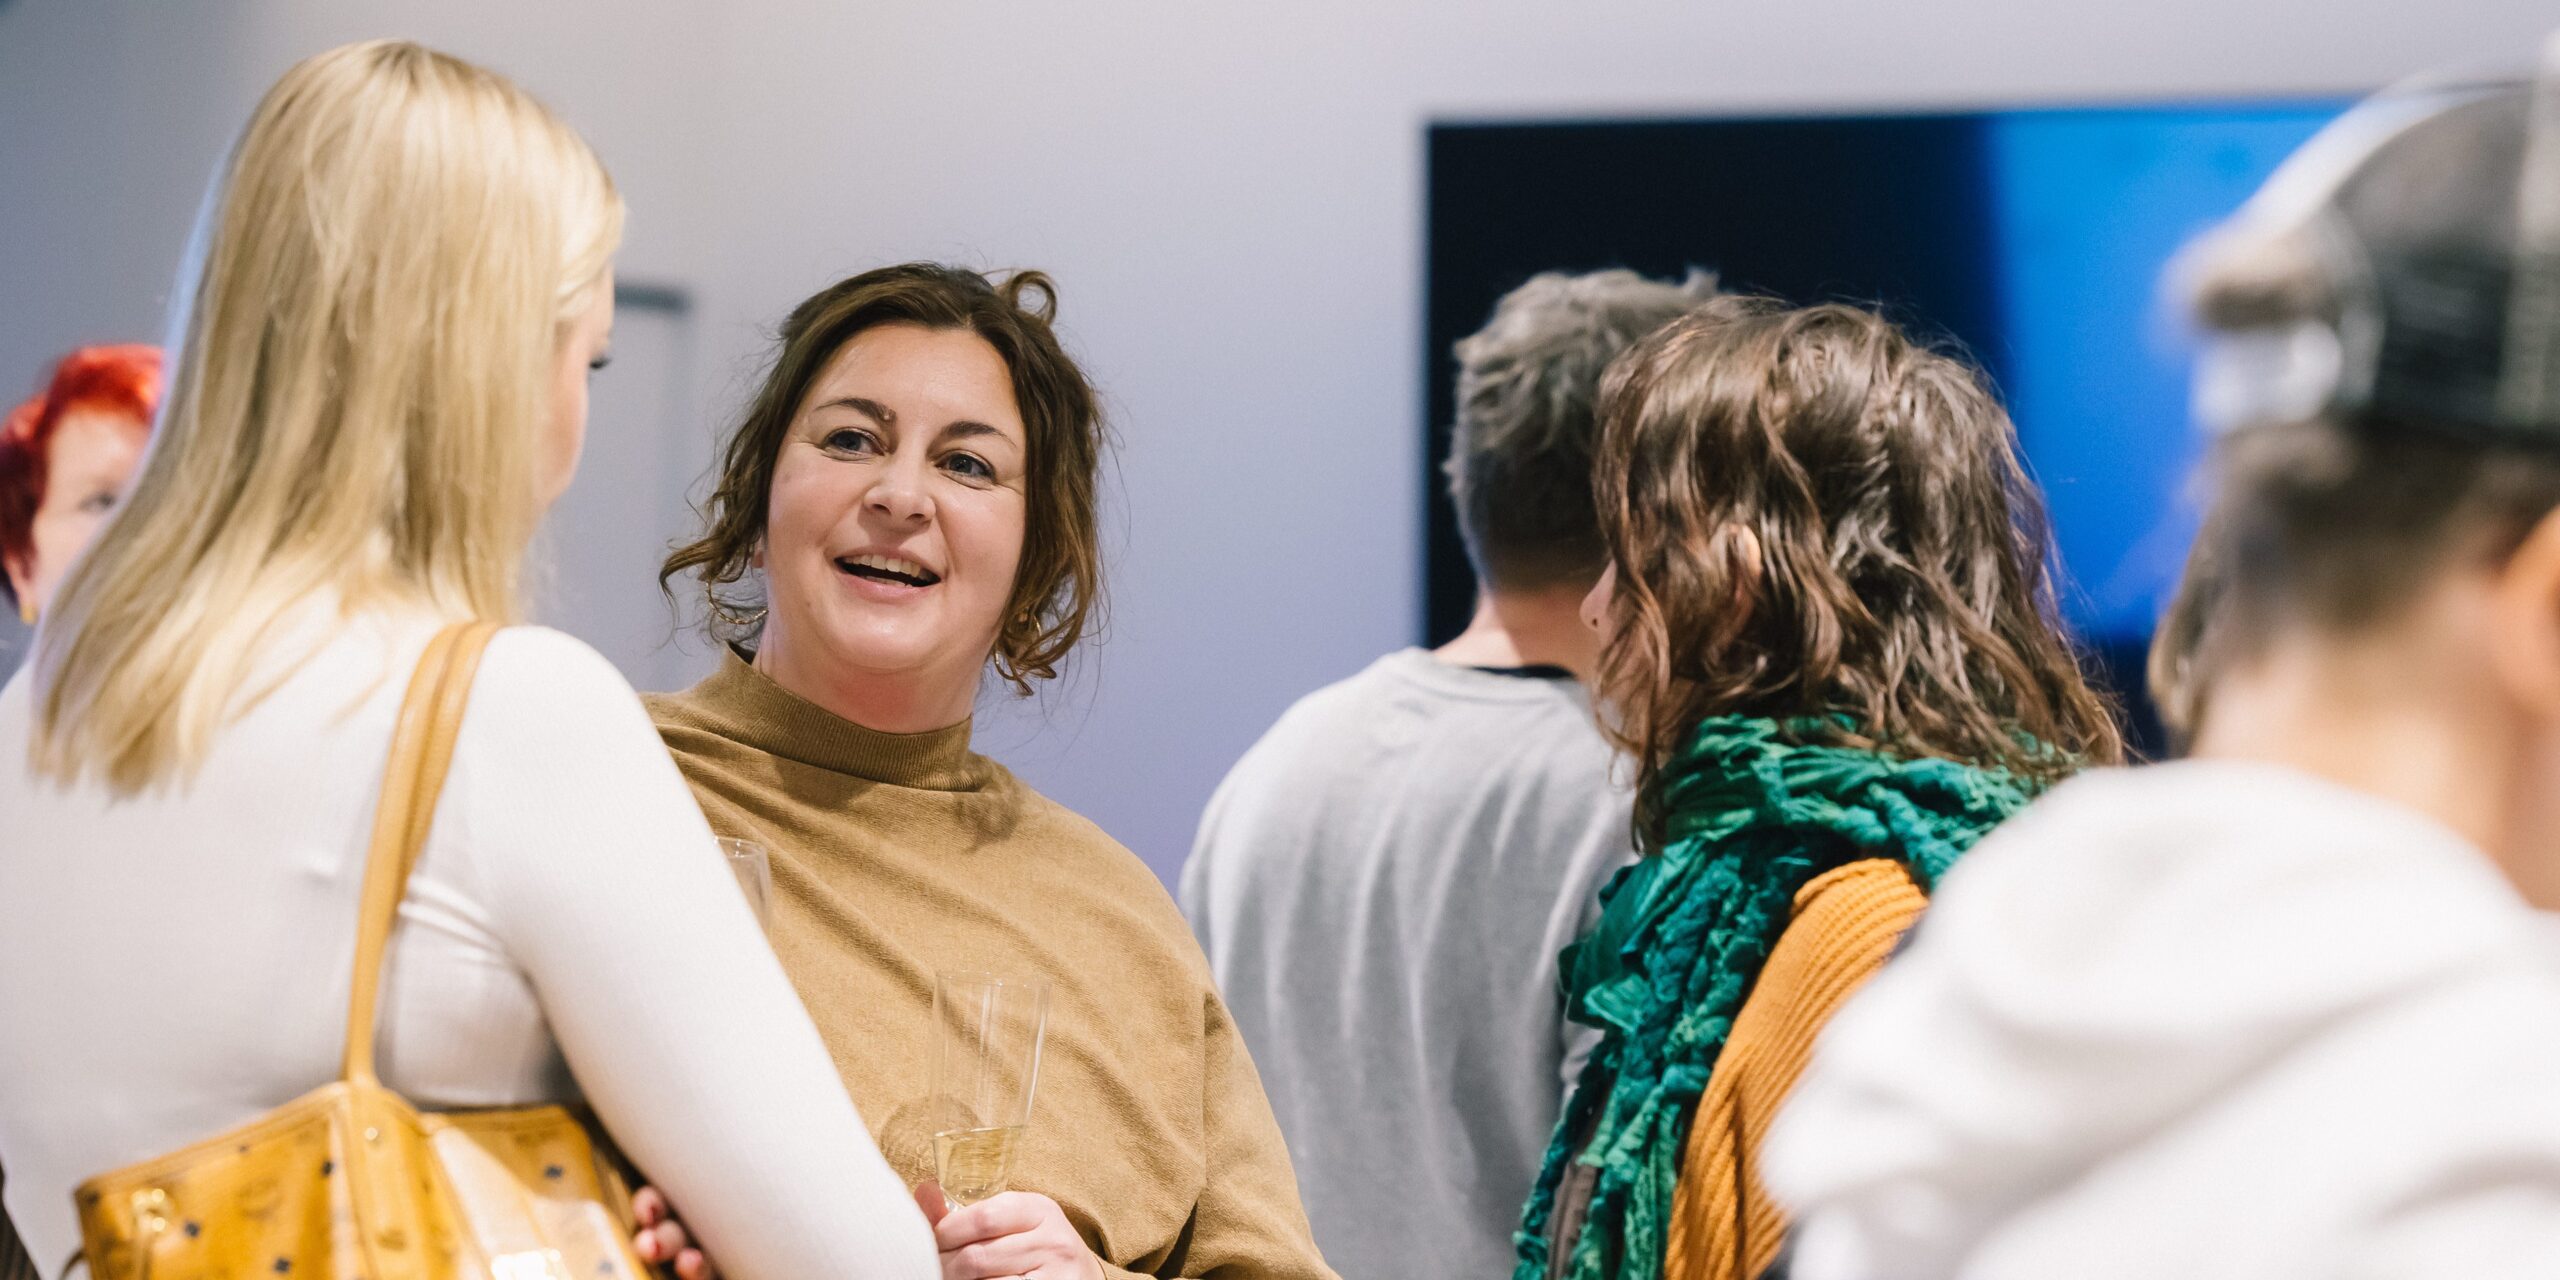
(2034, 239)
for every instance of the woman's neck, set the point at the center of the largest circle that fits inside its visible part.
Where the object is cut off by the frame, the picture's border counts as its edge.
(881, 702)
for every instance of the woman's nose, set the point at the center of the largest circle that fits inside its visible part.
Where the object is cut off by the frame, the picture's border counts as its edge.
(900, 495)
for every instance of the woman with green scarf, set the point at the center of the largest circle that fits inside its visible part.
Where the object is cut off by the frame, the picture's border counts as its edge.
(1832, 652)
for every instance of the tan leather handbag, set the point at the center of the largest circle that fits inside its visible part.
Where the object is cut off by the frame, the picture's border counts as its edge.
(349, 1180)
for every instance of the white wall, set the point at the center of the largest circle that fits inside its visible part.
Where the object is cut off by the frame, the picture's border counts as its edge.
(113, 115)
(1229, 195)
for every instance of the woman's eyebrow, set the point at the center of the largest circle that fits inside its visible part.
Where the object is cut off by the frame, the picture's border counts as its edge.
(871, 409)
(965, 429)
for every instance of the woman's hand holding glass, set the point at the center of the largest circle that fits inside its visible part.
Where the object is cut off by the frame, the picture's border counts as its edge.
(1014, 1233)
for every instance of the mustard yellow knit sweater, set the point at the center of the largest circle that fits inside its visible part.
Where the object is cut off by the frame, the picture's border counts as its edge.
(899, 856)
(1846, 922)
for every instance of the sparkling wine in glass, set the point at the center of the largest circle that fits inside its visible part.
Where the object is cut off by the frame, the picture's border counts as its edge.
(986, 1062)
(754, 868)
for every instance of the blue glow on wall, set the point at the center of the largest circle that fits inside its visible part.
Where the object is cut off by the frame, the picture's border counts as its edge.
(2088, 207)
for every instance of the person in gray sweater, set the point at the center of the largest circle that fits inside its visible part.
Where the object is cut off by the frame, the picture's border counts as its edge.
(1383, 882)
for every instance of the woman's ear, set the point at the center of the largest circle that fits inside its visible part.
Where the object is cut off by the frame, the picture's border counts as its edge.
(1594, 611)
(1747, 561)
(2524, 630)
(755, 557)
(1743, 557)
(1734, 551)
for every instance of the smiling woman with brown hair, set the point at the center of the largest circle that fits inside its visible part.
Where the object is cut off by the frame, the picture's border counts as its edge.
(909, 503)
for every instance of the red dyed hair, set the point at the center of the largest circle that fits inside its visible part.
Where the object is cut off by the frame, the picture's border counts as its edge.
(117, 379)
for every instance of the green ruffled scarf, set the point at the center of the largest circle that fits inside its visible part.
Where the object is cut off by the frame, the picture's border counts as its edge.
(1754, 816)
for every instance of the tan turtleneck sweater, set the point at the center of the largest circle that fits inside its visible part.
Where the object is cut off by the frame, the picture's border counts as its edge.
(897, 855)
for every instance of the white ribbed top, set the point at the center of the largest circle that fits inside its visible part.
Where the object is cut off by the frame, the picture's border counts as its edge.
(175, 964)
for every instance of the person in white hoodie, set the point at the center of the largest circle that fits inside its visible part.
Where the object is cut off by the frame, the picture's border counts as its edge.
(2290, 1007)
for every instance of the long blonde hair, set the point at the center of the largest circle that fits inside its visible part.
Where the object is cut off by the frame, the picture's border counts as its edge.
(388, 265)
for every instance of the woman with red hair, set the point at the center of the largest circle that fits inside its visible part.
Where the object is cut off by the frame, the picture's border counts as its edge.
(65, 458)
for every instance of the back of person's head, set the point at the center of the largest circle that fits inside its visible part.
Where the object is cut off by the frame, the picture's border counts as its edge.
(1814, 519)
(120, 380)
(2382, 371)
(379, 285)
(1519, 462)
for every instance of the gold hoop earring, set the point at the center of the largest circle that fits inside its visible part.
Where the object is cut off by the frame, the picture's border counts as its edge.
(729, 615)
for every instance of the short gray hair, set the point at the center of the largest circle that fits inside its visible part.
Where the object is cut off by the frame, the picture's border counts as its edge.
(1519, 463)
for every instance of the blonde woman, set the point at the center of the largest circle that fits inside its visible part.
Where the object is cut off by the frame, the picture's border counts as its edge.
(405, 279)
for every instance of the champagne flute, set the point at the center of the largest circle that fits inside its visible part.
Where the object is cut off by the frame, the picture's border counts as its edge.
(987, 1030)
(754, 869)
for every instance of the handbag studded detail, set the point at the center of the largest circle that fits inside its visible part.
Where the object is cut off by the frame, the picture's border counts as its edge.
(349, 1180)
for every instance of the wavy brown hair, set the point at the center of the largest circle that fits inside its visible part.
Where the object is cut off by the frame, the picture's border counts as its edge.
(1815, 519)
(1057, 590)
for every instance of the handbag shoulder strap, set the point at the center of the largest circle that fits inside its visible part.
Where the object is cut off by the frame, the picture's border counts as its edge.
(421, 748)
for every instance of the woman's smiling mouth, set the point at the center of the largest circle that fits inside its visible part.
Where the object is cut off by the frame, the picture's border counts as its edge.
(890, 569)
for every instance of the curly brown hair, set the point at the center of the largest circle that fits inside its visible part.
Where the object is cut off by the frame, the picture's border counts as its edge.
(1057, 590)
(1815, 519)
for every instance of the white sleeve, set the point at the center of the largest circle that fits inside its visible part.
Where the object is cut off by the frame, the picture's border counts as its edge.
(679, 1024)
